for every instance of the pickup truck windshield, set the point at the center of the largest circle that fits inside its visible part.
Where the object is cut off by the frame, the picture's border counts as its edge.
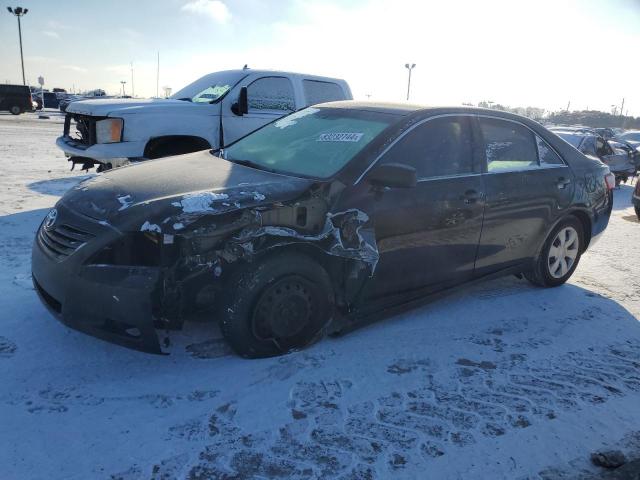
(210, 88)
(314, 142)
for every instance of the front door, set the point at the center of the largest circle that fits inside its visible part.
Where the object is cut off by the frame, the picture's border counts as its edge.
(428, 235)
(269, 98)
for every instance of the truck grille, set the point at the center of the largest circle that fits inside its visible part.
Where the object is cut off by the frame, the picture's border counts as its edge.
(62, 240)
(80, 128)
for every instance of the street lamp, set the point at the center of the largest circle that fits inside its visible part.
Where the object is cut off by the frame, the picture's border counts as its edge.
(409, 67)
(19, 12)
(122, 82)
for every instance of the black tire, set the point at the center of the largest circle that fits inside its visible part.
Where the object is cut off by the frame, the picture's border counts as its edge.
(261, 315)
(637, 209)
(541, 274)
(15, 110)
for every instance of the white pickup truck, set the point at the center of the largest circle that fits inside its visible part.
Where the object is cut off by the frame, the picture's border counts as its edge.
(212, 112)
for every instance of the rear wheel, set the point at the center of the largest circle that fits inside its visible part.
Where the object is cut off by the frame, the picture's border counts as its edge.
(280, 304)
(637, 212)
(15, 110)
(559, 256)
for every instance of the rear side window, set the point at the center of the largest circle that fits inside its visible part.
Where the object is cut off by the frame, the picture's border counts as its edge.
(508, 146)
(316, 91)
(588, 146)
(271, 93)
(546, 154)
(436, 148)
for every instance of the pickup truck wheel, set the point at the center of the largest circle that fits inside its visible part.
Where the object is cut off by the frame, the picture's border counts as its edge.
(15, 110)
(278, 305)
(559, 256)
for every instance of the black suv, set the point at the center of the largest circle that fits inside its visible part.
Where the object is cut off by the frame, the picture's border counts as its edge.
(15, 99)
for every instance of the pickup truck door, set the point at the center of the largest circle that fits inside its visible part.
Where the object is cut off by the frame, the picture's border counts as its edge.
(269, 98)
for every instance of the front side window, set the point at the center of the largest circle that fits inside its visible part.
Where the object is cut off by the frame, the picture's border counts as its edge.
(271, 93)
(436, 148)
(603, 148)
(316, 91)
(508, 146)
(314, 142)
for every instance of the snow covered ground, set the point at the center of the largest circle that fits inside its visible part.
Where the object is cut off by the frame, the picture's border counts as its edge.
(502, 380)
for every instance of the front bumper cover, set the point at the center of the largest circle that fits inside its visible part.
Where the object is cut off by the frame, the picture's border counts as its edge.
(102, 152)
(114, 303)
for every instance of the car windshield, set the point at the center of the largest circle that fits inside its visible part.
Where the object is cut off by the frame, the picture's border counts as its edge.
(633, 136)
(210, 88)
(314, 142)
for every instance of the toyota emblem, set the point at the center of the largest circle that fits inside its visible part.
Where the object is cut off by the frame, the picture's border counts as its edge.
(50, 219)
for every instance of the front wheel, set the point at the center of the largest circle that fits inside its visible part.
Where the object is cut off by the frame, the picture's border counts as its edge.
(559, 256)
(277, 305)
(15, 110)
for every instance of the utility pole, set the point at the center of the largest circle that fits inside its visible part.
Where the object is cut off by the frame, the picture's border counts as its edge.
(622, 106)
(568, 105)
(19, 12)
(158, 75)
(132, 91)
(409, 67)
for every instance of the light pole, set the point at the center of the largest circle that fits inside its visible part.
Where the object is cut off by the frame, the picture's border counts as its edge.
(123, 82)
(19, 12)
(409, 67)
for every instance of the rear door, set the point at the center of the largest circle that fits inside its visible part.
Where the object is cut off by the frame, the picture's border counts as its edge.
(428, 235)
(528, 185)
(269, 98)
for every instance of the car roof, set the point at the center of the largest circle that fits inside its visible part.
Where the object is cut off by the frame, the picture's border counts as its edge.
(413, 109)
(248, 71)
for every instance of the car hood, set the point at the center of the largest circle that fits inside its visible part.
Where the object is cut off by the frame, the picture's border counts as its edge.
(124, 106)
(184, 187)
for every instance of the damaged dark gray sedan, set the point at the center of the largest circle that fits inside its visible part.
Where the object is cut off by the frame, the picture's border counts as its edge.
(317, 220)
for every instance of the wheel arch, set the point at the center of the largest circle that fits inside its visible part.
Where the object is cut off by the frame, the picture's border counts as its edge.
(192, 143)
(585, 221)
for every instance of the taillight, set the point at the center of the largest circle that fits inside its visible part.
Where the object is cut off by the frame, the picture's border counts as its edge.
(610, 180)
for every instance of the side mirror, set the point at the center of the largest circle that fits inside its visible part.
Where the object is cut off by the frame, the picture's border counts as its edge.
(393, 175)
(241, 107)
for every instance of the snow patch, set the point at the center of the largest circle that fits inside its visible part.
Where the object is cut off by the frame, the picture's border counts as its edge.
(199, 202)
(150, 227)
(126, 201)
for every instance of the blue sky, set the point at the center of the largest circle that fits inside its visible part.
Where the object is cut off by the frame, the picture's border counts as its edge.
(543, 53)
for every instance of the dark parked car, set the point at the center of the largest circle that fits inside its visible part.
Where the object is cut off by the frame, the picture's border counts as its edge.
(318, 219)
(633, 153)
(51, 100)
(591, 144)
(15, 99)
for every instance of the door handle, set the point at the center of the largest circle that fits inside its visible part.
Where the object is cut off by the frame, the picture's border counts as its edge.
(562, 183)
(471, 196)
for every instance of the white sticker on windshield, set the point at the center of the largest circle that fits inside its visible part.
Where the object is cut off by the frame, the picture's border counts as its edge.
(340, 137)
